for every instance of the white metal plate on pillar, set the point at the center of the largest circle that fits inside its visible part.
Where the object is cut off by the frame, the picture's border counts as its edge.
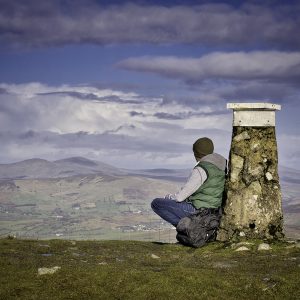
(254, 118)
(254, 114)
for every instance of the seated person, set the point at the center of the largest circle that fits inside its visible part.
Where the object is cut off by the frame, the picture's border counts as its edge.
(203, 189)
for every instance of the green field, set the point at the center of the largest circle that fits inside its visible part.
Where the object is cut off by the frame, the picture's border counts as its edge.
(145, 270)
(82, 207)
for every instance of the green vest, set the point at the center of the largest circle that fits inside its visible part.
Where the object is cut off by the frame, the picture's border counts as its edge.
(210, 193)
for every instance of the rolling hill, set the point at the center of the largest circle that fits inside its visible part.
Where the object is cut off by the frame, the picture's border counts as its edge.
(80, 198)
(41, 168)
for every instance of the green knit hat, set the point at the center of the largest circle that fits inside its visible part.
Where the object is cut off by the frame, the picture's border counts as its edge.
(202, 147)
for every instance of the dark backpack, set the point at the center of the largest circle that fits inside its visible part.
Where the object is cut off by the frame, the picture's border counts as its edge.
(199, 228)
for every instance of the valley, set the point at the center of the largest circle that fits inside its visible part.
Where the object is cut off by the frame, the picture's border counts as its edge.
(102, 204)
(82, 207)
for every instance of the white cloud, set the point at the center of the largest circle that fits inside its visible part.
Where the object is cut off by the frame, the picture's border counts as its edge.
(256, 65)
(58, 109)
(57, 121)
(54, 122)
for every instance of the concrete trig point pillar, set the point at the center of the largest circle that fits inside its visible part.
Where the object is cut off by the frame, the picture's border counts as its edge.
(253, 204)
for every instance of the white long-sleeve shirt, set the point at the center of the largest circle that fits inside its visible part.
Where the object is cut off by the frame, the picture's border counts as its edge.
(195, 180)
(198, 177)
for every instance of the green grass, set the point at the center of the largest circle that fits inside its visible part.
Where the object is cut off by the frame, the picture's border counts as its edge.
(126, 270)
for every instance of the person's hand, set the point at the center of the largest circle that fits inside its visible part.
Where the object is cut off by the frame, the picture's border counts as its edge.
(169, 197)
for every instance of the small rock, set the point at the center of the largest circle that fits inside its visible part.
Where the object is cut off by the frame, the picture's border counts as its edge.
(269, 176)
(102, 263)
(240, 244)
(254, 147)
(244, 244)
(154, 256)
(222, 265)
(264, 246)
(242, 233)
(238, 162)
(119, 259)
(44, 245)
(256, 171)
(73, 248)
(242, 136)
(44, 271)
(243, 248)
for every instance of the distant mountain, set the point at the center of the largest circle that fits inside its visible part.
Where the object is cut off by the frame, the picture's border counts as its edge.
(81, 165)
(72, 166)
(41, 168)
(79, 161)
(287, 175)
(179, 175)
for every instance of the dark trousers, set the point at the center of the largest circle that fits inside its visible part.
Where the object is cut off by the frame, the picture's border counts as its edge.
(172, 211)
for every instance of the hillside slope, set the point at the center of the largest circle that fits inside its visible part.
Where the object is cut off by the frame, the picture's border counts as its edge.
(81, 207)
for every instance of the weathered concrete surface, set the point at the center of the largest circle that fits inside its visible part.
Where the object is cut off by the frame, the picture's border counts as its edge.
(253, 205)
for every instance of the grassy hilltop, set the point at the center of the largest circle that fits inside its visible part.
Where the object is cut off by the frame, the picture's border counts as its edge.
(145, 270)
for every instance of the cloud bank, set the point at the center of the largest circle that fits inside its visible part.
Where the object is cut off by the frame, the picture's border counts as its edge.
(53, 122)
(120, 128)
(258, 65)
(228, 76)
(35, 23)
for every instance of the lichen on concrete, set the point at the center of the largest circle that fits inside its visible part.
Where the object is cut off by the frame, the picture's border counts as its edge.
(253, 196)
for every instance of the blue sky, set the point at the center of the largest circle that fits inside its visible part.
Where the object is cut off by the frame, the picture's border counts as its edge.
(135, 83)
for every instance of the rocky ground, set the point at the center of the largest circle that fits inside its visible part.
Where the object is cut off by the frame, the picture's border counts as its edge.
(59, 269)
